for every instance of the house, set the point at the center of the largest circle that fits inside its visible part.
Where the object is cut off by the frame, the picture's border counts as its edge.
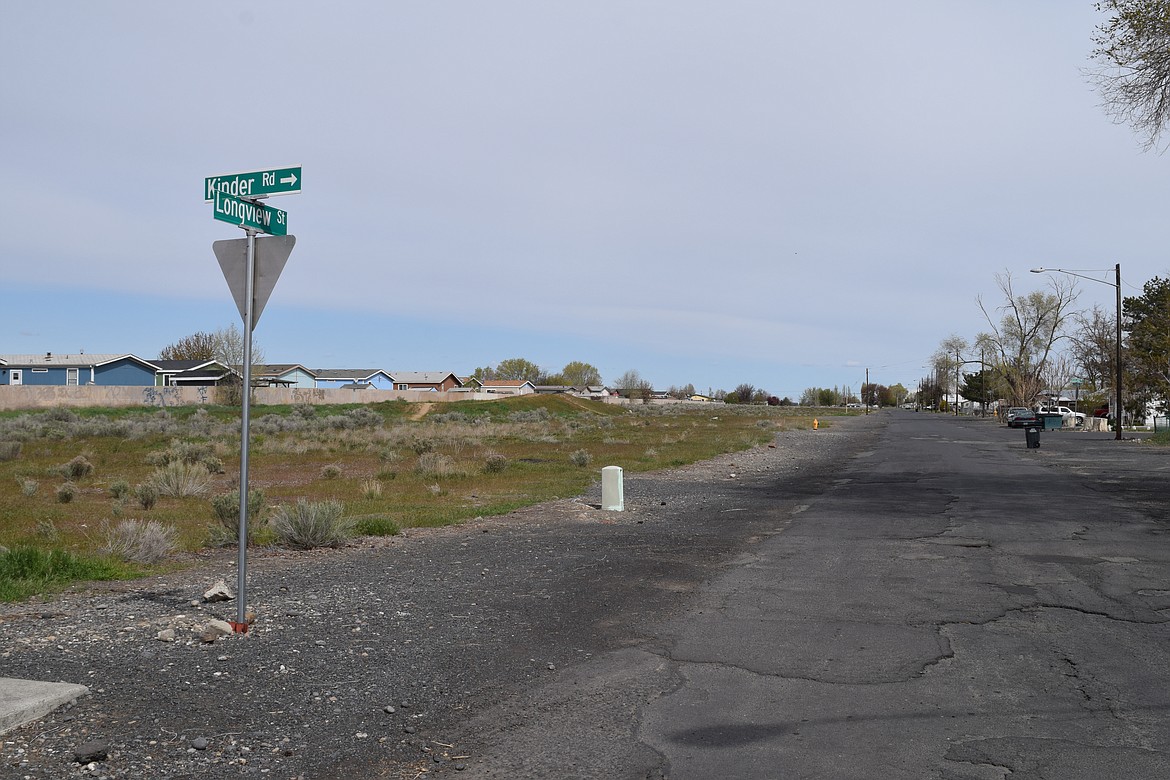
(441, 381)
(283, 375)
(340, 377)
(557, 389)
(192, 373)
(111, 370)
(508, 386)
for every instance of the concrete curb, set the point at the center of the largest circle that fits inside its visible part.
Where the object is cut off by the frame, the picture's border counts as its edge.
(22, 701)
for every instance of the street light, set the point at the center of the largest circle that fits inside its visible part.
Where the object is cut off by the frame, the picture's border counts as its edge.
(1117, 284)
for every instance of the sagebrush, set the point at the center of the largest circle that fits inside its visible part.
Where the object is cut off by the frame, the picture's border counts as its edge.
(307, 525)
(140, 541)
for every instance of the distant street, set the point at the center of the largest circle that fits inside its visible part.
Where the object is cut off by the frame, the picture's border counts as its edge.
(951, 605)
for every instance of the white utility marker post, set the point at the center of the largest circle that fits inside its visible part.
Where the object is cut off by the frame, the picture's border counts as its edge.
(251, 267)
(612, 492)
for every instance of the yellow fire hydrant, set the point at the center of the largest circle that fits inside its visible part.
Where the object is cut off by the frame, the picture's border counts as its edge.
(815, 423)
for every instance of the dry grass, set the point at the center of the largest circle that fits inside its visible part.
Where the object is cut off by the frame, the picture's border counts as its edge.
(462, 460)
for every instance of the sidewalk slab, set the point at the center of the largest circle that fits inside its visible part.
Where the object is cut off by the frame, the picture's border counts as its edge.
(22, 701)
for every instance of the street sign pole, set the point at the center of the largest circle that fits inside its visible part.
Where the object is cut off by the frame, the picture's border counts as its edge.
(236, 199)
(246, 405)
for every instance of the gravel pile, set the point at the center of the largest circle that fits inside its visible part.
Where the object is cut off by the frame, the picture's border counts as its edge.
(363, 661)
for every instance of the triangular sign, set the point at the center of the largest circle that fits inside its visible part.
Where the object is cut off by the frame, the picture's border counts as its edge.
(271, 254)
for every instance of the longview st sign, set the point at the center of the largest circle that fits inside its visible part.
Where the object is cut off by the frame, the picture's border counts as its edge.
(247, 214)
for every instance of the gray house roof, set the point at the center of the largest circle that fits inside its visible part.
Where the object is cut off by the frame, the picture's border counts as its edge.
(356, 374)
(422, 377)
(276, 369)
(79, 359)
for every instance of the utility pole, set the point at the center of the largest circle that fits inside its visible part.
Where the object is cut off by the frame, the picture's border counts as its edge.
(958, 358)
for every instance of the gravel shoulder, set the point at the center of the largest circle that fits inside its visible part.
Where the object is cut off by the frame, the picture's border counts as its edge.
(371, 659)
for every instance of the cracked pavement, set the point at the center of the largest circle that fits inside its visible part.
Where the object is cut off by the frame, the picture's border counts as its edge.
(951, 605)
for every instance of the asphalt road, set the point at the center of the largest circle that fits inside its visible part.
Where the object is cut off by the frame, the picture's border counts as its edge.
(894, 596)
(952, 605)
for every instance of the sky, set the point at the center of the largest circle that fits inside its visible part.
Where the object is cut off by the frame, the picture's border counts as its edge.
(783, 194)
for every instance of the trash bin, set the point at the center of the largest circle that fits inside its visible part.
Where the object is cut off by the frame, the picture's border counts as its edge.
(1033, 438)
(1051, 421)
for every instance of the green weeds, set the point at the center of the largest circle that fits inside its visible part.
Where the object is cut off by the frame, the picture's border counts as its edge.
(27, 571)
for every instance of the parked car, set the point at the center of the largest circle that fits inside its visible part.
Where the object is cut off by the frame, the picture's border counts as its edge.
(1067, 414)
(1021, 417)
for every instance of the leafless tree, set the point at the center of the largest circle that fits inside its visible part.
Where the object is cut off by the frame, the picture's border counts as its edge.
(1094, 338)
(1058, 370)
(1024, 333)
(946, 359)
(1133, 75)
(229, 347)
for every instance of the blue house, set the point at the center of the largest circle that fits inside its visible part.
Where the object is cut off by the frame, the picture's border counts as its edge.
(63, 370)
(281, 375)
(342, 377)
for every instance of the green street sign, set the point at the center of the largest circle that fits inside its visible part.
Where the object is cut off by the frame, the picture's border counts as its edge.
(246, 214)
(254, 184)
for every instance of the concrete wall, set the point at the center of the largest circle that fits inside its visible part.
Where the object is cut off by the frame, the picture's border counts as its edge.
(26, 397)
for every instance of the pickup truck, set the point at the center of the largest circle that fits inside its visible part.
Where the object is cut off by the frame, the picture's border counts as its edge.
(1078, 418)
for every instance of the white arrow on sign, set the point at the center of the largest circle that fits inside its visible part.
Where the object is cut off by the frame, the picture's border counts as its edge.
(290, 179)
(271, 254)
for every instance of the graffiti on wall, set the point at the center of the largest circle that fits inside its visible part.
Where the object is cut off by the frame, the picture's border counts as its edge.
(308, 395)
(161, 396)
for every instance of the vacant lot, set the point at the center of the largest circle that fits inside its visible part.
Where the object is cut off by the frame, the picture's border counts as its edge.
(66, 476)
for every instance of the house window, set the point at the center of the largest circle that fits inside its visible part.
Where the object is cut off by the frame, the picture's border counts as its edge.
(402, 387)
(71, 376)
(40, 370)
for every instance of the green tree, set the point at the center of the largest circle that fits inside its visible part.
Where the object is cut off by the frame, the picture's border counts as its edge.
(1147, 321)
(820, 396)
(875, 395)
(519, 369)
(197, 346)
(580, 374)
(978, 387)
(1133, 77)
(898, 394)
(743, 393)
